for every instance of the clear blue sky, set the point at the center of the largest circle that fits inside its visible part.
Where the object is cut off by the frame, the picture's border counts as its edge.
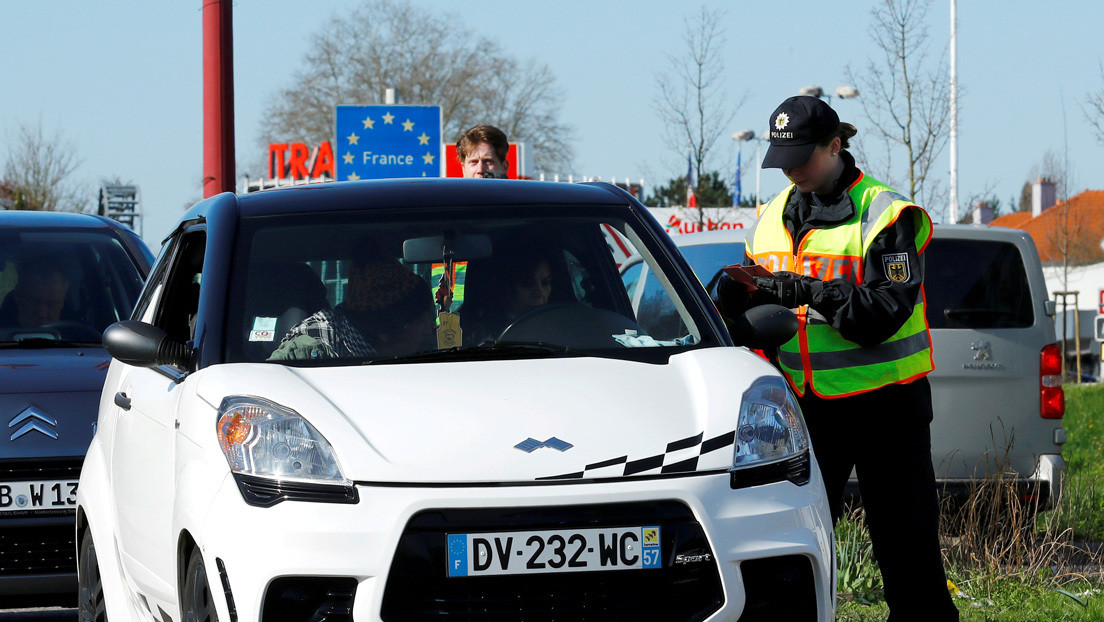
(122, 80)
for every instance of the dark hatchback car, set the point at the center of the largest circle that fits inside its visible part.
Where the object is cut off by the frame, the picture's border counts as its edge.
(63, 279)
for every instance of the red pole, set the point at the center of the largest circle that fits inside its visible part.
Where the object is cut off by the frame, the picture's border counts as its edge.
(218, 97)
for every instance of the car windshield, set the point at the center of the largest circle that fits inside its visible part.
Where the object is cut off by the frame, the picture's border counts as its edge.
(388, 286)
(63, 287)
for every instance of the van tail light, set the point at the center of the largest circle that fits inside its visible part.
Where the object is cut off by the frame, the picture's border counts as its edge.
(1053, 399)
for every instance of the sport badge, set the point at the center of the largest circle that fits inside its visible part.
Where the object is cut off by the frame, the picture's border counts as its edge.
(896, 267)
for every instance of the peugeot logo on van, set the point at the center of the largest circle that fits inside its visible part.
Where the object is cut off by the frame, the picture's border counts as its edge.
(984, 350)
(36, 420)
(983, 356)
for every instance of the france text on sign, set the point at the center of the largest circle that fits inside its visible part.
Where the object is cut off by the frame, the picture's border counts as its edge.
(378, 142)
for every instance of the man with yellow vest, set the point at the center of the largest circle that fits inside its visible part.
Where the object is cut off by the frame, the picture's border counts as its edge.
(846, 252)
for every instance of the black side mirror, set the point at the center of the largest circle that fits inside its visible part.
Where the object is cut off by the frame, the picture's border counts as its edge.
(765, 326)
(143, 345)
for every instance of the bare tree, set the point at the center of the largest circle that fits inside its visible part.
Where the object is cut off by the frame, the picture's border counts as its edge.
(1093, 108)
(1066, 237)
(1052, 167)
(906, 98)
(693, 100)
(980, 199)
(39, 169)
(429, 60)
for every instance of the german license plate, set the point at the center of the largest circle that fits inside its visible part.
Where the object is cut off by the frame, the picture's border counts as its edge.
(37, 495)
(534, 552)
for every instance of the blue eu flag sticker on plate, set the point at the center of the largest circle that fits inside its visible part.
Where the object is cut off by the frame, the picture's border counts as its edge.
(381, 142)
(458, 555)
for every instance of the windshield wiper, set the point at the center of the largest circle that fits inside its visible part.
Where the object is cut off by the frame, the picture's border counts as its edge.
(41, 342)
(487, 350)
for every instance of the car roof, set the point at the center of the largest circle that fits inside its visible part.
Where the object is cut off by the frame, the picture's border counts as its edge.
(975, 232)
(418, 192)
(24, 218)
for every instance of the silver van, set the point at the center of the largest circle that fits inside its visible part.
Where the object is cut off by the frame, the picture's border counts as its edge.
(996, 387)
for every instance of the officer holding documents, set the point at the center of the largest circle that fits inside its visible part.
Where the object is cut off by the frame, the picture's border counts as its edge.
(846, 253)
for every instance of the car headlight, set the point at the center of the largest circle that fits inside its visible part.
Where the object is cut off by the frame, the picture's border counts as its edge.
(275, 454)
(772, 443)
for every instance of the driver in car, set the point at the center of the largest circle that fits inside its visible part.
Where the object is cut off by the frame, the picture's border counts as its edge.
(387, 311)
(38, 297)
(507, 291)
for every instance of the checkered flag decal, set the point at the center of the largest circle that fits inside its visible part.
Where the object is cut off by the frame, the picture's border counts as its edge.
(681, 456)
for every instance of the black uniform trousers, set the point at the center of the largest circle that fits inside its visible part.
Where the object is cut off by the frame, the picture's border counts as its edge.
(884, 434)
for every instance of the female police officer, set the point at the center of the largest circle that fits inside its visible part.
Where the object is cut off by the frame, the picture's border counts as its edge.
(846, 252)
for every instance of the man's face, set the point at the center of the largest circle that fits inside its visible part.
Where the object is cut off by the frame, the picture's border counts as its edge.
(482, 162)
(40, 301)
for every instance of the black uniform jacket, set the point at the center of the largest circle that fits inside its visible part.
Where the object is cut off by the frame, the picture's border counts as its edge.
(870, 313)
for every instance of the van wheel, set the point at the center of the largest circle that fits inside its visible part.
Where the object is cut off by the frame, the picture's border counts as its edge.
(90, 607)
(196, 602)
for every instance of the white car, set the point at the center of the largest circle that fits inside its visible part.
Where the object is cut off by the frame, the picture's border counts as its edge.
(282, 436)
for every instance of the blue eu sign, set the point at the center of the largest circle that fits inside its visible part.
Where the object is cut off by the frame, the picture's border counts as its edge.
(377, 142)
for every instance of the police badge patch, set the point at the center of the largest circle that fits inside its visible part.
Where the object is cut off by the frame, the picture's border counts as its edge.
(896, 267)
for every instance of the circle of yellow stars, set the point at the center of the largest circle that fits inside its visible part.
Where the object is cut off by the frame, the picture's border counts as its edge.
(388, 119)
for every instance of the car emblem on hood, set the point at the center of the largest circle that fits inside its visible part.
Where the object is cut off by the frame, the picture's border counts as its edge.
(35, 420)
(530, 445)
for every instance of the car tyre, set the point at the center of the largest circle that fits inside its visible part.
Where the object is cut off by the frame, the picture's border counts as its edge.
(90, 607)
(197, 603)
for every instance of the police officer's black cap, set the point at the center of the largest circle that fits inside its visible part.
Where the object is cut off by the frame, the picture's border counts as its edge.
(796, 127)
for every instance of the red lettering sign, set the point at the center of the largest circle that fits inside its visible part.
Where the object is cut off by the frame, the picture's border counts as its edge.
(276, 160)
(294, 160)
(323, 161)
(679, 225)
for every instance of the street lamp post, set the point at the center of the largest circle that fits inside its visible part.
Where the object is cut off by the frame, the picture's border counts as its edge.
(842, 92)
(743, 136)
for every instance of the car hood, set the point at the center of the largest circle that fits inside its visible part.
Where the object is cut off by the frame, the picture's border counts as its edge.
(518, 420)
(48, 400)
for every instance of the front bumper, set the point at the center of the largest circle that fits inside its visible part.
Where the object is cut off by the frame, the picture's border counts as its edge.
(37, 548)
(759, 538)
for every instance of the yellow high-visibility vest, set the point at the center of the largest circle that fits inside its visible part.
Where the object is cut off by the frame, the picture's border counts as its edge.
(818, 357)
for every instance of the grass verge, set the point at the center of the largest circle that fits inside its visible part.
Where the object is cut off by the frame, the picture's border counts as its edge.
(1006, 563)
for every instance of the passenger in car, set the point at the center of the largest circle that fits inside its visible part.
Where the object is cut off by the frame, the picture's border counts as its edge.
(38, 297)
(387, 311)
(498, 293)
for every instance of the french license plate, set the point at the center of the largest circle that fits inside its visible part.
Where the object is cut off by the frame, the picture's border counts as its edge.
(534, 552)
(40, 495)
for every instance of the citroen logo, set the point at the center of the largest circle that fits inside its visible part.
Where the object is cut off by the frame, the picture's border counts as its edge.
(33, 419)
(530, 445)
